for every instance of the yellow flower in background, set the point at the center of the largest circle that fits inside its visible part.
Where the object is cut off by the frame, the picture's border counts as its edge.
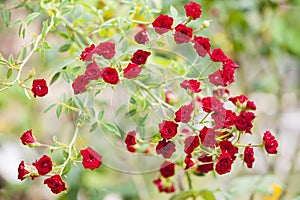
(276, 194)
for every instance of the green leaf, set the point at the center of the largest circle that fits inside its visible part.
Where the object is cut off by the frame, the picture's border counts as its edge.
(92, 112)
(54, 78)
(79, 103)
(205, 194)
(49, 108)
(173, 11)
(112, 128)
(9, 73)
(31, 17)
(67, 168)
(100, 115)
(131, 113)
(93, 127)
(6, 15)
(64, 47)
(58, 111)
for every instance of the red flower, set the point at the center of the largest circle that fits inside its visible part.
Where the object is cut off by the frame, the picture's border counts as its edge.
(141, 37)
(106, 49)
(43, 165)
(168, 129)
(221, 93)
(130, 138)
(162, 24)
(218, 55)
(224, 163)
(90, 158)
(27, 138)
(208, 137)
(131, 148)
(224, 118)
(203, 167)
(249, 156)
(270, 143)
(192, 85)
(39, 87)
(182, 34)
(55, 183)
(140, 57)
(188, 162)
(166, 149)
(243, 122)
(210, 104)
(132, 70)
(190, 144)
(167, 169)
(80, 83)
(110, 75)
(22, 172)
(193, 10)
(87, 53)
(243, 101)
(164, 187)
(170, 97)
(227, 147)
(92, 71)
(201, 45)
(217, 78)
(184, 113)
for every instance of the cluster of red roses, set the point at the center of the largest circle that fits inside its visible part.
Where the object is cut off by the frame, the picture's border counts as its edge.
(45, 167)
(108, 74)
(216, 145)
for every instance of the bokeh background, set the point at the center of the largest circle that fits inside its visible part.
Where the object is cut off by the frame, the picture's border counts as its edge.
(262, 36)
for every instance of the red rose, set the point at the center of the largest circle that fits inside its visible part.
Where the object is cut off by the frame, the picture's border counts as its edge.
(188, 161)
(162, 24)
(166, 149)
(87, 53)
(201, 45)
(168, 129)
(90, 158)
(92, 71)
(167, 169)
(210, 104)
(27, 138)
(182, 34)
(243, 122)
(55, 183)
(208, 137)
(167, 187)
(132, 70)
(22, 172)
(184, 113)
(227, 147)
(43, 165)
(191, 85)
(221, 93)
(243, 102)
(218, 55)
(39, 87)
(106, 49)
(80, 83)
(217, 78)
(224, 163)
(191, 143)
(140, 57)
(141, 37)
(206, 164)
(110, 75)
(223, 118)
(193, 10)
(249, 156)
(130, 138)
(270, 143)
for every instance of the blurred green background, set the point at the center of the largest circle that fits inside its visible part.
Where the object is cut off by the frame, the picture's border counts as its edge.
(262, 36)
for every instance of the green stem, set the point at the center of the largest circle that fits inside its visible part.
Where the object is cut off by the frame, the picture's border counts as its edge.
(252, 145)
(189, 180)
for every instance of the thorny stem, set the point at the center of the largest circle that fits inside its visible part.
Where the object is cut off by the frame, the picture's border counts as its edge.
(252, 145)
